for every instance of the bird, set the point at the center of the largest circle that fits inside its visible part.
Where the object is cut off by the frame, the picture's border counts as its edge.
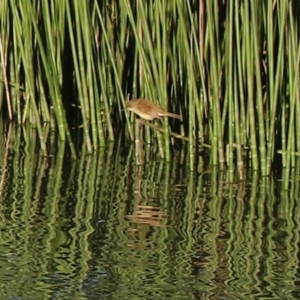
(148, 110)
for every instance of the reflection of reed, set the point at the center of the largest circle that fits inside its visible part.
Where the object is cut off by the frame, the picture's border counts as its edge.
(144, 217)
(4, 163)
(64, 215)
(145, 214)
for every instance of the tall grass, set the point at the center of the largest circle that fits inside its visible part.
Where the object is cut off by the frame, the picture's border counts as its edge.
(230, 69)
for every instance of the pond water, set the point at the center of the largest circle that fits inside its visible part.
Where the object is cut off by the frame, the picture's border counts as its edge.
(101, 227)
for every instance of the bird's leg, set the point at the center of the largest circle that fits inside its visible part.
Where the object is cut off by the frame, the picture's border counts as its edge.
(141, 122)
(138, 125)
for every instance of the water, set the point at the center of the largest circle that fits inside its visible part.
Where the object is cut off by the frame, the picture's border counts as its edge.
(100, 227)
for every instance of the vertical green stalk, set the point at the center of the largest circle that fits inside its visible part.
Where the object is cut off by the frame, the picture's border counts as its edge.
(89, 67)
(23, 32)
(75, 34)
(200, 89)
(230, 88)
(212, 31)
(4, 39)
(259, 98)
(160, 26)
(293, 55)
(283, 134)
(275, 81)
(237, 112)
(51, 65)
(241, 70)
(249, 74)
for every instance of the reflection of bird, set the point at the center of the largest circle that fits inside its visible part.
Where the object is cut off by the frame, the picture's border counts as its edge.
(148, 110)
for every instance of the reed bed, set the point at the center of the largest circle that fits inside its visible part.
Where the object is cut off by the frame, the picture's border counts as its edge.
(230, 68)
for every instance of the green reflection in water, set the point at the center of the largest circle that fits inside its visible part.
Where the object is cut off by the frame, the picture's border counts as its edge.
(101, 226)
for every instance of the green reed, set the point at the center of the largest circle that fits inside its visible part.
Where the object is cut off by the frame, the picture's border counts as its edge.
(230, 70)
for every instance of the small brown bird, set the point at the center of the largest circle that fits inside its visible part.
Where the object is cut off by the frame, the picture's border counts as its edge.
(148, 110)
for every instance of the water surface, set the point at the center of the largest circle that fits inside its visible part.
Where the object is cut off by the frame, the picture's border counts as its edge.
(100, 227)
